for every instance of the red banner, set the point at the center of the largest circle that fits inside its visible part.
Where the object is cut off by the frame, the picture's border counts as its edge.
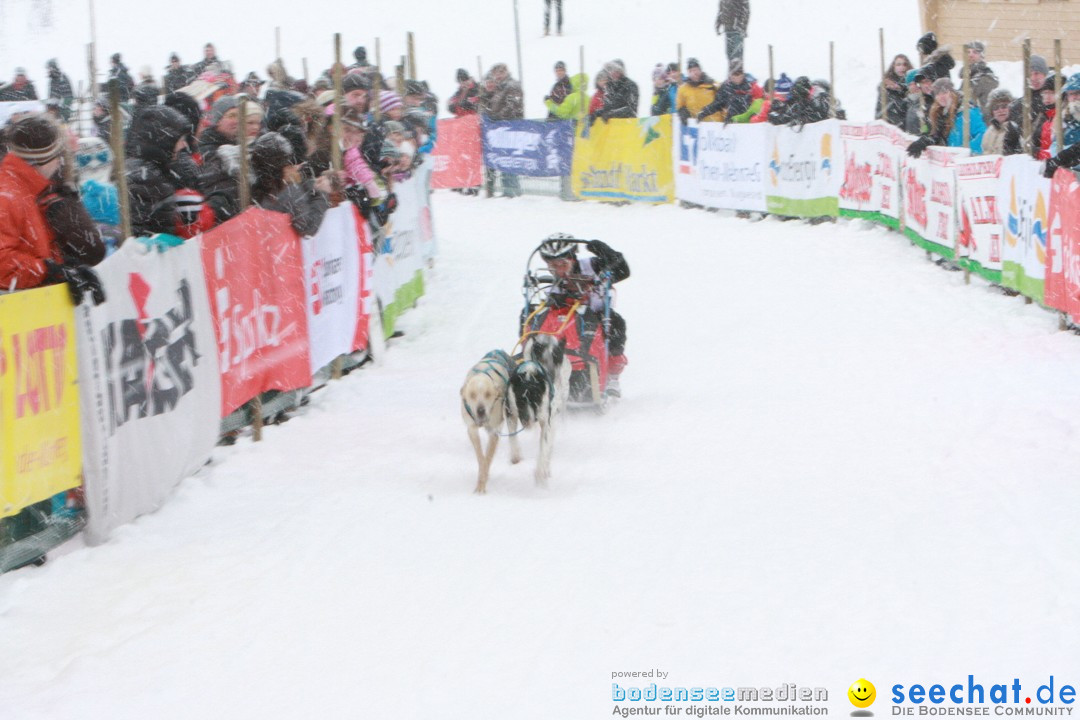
(458, 154)
(255, 278)
(367, 289)
(1063, 251)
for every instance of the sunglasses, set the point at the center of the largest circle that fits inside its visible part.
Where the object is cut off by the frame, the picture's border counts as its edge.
(101, 157)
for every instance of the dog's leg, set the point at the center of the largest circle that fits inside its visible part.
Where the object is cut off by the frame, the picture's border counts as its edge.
(493, 442)
(515, 449)
(481, 481)
(543, 464)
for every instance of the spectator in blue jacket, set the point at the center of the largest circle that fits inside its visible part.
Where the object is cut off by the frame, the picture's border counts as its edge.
(946, 121)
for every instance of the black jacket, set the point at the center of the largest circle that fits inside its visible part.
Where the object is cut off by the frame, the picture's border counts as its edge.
(150, 180)
(559, 92)
(733, 15)
(620, 99)
(896, 106)
(731, 98)
(304, 205)
(466, 100)
(60, 86)
(8, 93)
(125, 85)
(179, 77)
(220, 175)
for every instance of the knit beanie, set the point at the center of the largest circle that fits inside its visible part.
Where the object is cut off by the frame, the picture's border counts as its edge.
(388, 101)
(220, 107)
(783, 85)
(35, 139)
(1038, 64)
(462, 75)
(356, 81)
(942, 85)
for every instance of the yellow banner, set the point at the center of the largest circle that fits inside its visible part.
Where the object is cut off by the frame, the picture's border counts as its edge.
(625, 160)
(39, 396)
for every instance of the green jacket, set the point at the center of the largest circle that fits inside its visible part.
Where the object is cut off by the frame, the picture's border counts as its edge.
(754, 109)
(576, 103)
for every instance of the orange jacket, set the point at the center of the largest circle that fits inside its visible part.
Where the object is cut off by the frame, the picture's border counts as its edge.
(26, 240)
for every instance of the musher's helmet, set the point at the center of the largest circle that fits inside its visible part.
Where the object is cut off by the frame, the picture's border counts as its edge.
(557, 246)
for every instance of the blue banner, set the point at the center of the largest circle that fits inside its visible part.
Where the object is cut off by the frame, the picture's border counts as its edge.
(535, 148)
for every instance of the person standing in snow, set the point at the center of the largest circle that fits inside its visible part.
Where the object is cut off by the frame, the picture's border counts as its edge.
(60, 89)
(501, 99)
(738, 99)
(118, 71)
(665, 89)
(209, 58)
(732, 20)
(21, 88)
(466, 101)
(946, 121)
(547, 16)
(560, 90)
(177, 75)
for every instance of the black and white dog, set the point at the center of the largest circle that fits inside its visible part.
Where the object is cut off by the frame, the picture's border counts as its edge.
(538, 391)
(484, 399)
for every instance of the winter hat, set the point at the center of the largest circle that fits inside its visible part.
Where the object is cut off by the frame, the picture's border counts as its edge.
(1038, 64)
(325, 98)
(1073, 85)
(146, 95)
(393, 126)
(976, 45)
(174, 56)
(462, 75)
(220, 107)
(415, 87)
(52, 65)
(673, 67)
(154, 133)
(1048, 83)
(186, 106)
(783, 85)
(389, 151)
(560, 65)
(295, 135)
(998, 98)
(35, 139)
(942, 85)
(20, 71)
(614, 67)
(388, 101)
(800, 89)
(912, 76)
(927, 44)
(115, 58)
(355, 81)
(360, 53)
(658, 72)
(692, 63)
(253, 79)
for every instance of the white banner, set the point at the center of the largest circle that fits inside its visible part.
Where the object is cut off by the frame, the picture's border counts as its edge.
(804, 170)
(930, 197)
(332, 277)
(150, 389)
(1024, 199)
(978, 183)
(720, 166)
(872, 155)
(397, 277)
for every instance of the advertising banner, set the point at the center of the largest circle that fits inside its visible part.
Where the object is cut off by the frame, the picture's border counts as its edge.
(398, 280)
(626, 159)
(536, 148)
(332, 274)
(255, 277)
(1024, 199)
(930, 198)
(803, 170)
(151, 387)
(1062, 288)
(39, 392)
(458, 156)
(720, 166)
(872, 155)
(978, 180)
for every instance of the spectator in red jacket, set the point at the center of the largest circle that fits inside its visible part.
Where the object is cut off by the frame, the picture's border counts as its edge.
(466, 101)
(45, 233)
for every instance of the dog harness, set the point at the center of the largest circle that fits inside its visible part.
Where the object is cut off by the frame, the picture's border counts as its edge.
(498, 366)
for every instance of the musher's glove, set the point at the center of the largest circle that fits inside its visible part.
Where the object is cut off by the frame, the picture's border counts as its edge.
(1051, 167)
(916, 148)
(80, 280)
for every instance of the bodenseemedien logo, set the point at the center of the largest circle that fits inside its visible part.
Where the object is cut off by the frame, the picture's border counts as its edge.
(862, 695)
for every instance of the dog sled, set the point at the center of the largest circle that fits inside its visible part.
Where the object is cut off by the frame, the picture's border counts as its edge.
(577, 310)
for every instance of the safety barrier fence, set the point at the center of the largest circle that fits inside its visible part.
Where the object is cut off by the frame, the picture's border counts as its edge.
(120, 401)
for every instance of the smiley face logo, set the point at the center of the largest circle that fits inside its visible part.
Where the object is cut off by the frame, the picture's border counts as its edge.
(862, 693)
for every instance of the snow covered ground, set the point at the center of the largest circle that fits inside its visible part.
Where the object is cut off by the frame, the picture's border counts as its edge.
(832, 460)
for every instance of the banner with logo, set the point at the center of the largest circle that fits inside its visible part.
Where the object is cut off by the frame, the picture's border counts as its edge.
(1062, 289)
(255, 277)
(536, 148)
(978, 181)
(872, 155)
(332, 274)
(398, 276)
(151, 387)
(39, 392)
(458, 156)
(422, 173)
(804, 174)
(625, 159)
(720, 166)
(930, 198)
(1024, 199)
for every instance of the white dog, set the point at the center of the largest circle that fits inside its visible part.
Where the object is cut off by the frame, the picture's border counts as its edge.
(538, 391)
(483, 405)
